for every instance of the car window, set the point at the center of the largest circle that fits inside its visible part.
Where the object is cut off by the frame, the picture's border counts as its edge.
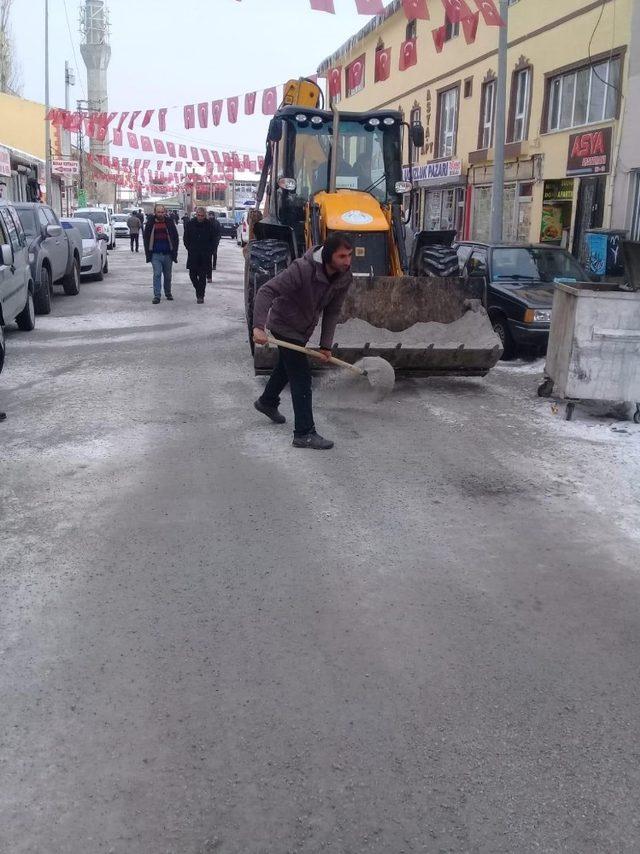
(13, 213)
(94, 216)
(29, 221)
(463, 255)
(42, 218)
(477, 263)
(10, 228)
(85, 229)
(52, 219)
(3, 234)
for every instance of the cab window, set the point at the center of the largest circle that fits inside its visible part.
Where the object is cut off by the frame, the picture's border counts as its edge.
(42, 218)
(10, 229)
(3, 235)
(464, 253)
(477, 263)
(51, 217)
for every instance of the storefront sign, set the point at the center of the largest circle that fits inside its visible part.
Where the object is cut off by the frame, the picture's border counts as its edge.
(590, 153)
(5, 163)
(434, 171)
(65, 167)
(558, 191)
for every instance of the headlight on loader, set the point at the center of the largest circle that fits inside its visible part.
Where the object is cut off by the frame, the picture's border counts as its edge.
(537, 315)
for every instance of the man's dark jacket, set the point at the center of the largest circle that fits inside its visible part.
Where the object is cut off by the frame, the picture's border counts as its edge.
(148, 237)
(217, 230)
(291, 304)
(199, 241)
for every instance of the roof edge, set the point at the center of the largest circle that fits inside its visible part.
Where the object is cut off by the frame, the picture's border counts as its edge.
(360, 36)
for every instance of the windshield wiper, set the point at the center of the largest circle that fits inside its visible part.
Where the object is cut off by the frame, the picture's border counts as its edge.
(516, 277)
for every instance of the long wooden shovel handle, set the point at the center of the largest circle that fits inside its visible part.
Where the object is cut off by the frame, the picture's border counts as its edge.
(315, 355)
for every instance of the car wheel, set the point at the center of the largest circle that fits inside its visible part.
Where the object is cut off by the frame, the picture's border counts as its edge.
(2, 348)
(42, 299)
(501, 328)
(26, 320)
(71, 282)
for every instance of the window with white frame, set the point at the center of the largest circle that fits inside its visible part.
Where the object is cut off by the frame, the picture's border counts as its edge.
(522, 95)
(451, 30)
(585, 96)
(448, 124)
(488, 114)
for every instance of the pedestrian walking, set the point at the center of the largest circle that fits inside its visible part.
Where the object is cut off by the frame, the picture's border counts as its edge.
(217, 235)
(140, 214)
(134, 225)
(161, 250)
(290, 305)
(198, 240)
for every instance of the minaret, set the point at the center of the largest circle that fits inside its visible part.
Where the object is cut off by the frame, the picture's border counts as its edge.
(96, 52)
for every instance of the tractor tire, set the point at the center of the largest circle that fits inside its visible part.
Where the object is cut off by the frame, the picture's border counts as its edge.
(264, 259)
(71, 282)
(439, 261)
(26, 320)
(42, 298)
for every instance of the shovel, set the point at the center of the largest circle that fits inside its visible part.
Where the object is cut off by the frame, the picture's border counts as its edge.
(378, 371)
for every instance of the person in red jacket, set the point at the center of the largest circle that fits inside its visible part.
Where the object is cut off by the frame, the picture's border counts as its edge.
(290, 305)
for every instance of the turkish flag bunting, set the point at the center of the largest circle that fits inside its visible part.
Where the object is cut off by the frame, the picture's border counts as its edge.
(182, 151)
(206, 156)
(490, 13)
(252, 166)
(162, 118)
(101, 133)
(209, 168)
(179, 165)
(335, 82)
(117, 137)
(355, 74)
(416, 9)
(148, 115)
(145, 164)
(269, 101)
(249, 103)
(123, 116)
(171, 148)
(216, 156)
(195, 154)
(189, 116)
(237, 163)
(132, 139)
(158, 144)
(439, 36)
(383, 65)
(246, 161)
(110, 118)
(261, 163)
(75, 122)
(216, 112)
(160, 164)
(323, 6)
(145, 143)
(232, 110)
(134, 116)
(203, 114)
(227, 159)
(136, 164)
(408, 54)
(369, 7)
(456, 10)
(470, 27)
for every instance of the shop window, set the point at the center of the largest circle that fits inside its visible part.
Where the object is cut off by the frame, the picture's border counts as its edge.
(488, 111)
(520, 105)
(584, 96)
(447, 122)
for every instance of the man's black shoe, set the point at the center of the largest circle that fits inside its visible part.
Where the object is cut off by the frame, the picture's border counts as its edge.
(270, 411)
(155, 300)
(168, 296)
(314, 441)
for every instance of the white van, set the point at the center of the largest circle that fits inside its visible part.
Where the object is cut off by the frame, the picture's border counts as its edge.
(101, 218)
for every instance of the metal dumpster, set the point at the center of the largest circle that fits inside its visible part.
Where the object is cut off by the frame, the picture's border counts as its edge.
(594, 344)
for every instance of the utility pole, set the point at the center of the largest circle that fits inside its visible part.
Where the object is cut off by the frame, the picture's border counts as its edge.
(47, 126)
(497, 195)
(69, 80)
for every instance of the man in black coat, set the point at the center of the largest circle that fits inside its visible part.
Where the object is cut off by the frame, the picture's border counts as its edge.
(217, 235)
(199, 243)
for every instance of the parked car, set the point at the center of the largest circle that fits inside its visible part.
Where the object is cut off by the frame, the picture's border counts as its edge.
(120, 224)
(95, 260)
(54, 254)
(520, 282)
(227, 225)
(101, 218)
(243, 230)
(16, 282)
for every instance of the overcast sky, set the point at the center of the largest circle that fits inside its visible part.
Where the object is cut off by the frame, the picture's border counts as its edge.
(167, 52)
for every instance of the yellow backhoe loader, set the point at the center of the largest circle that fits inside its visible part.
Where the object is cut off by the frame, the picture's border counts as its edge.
(326, 172)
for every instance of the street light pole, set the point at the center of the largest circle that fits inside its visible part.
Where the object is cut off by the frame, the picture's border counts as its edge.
(47, 130)
(497, 195)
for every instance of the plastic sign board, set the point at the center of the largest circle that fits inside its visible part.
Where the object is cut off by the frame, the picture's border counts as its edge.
(590, 153)
(65, 167)
(434, 171)
(5, 163)
(82, 198)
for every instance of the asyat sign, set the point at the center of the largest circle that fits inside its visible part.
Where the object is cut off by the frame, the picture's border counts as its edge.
(590, 153)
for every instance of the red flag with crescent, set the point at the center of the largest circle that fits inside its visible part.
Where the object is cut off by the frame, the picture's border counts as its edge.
(408, 54)
(439, 35)
(335, 82)
(323, 6)
(490, 13)
(162, 118)
(203, 114)
(416, 9)
(383, 65)
(355, 75)
(369, 7)
(216, 112)
(189, 116)
(470, 27)
(456, 10)
(249, 103)
(232, 109)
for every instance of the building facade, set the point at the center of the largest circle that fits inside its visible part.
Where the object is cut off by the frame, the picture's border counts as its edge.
(570, 66)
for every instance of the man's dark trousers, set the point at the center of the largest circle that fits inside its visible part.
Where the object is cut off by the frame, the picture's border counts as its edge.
(135, 241)
(292, 368)
(198, 278)
(214, 257)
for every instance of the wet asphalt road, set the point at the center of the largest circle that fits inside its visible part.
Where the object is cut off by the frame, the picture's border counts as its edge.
(426, 640)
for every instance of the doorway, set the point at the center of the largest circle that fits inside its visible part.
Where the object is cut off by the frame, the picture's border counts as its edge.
(589, 213)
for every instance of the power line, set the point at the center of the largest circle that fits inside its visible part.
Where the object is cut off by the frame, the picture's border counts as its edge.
(75, 58)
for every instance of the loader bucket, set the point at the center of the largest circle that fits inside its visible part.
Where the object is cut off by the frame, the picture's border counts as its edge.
(421, 326)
